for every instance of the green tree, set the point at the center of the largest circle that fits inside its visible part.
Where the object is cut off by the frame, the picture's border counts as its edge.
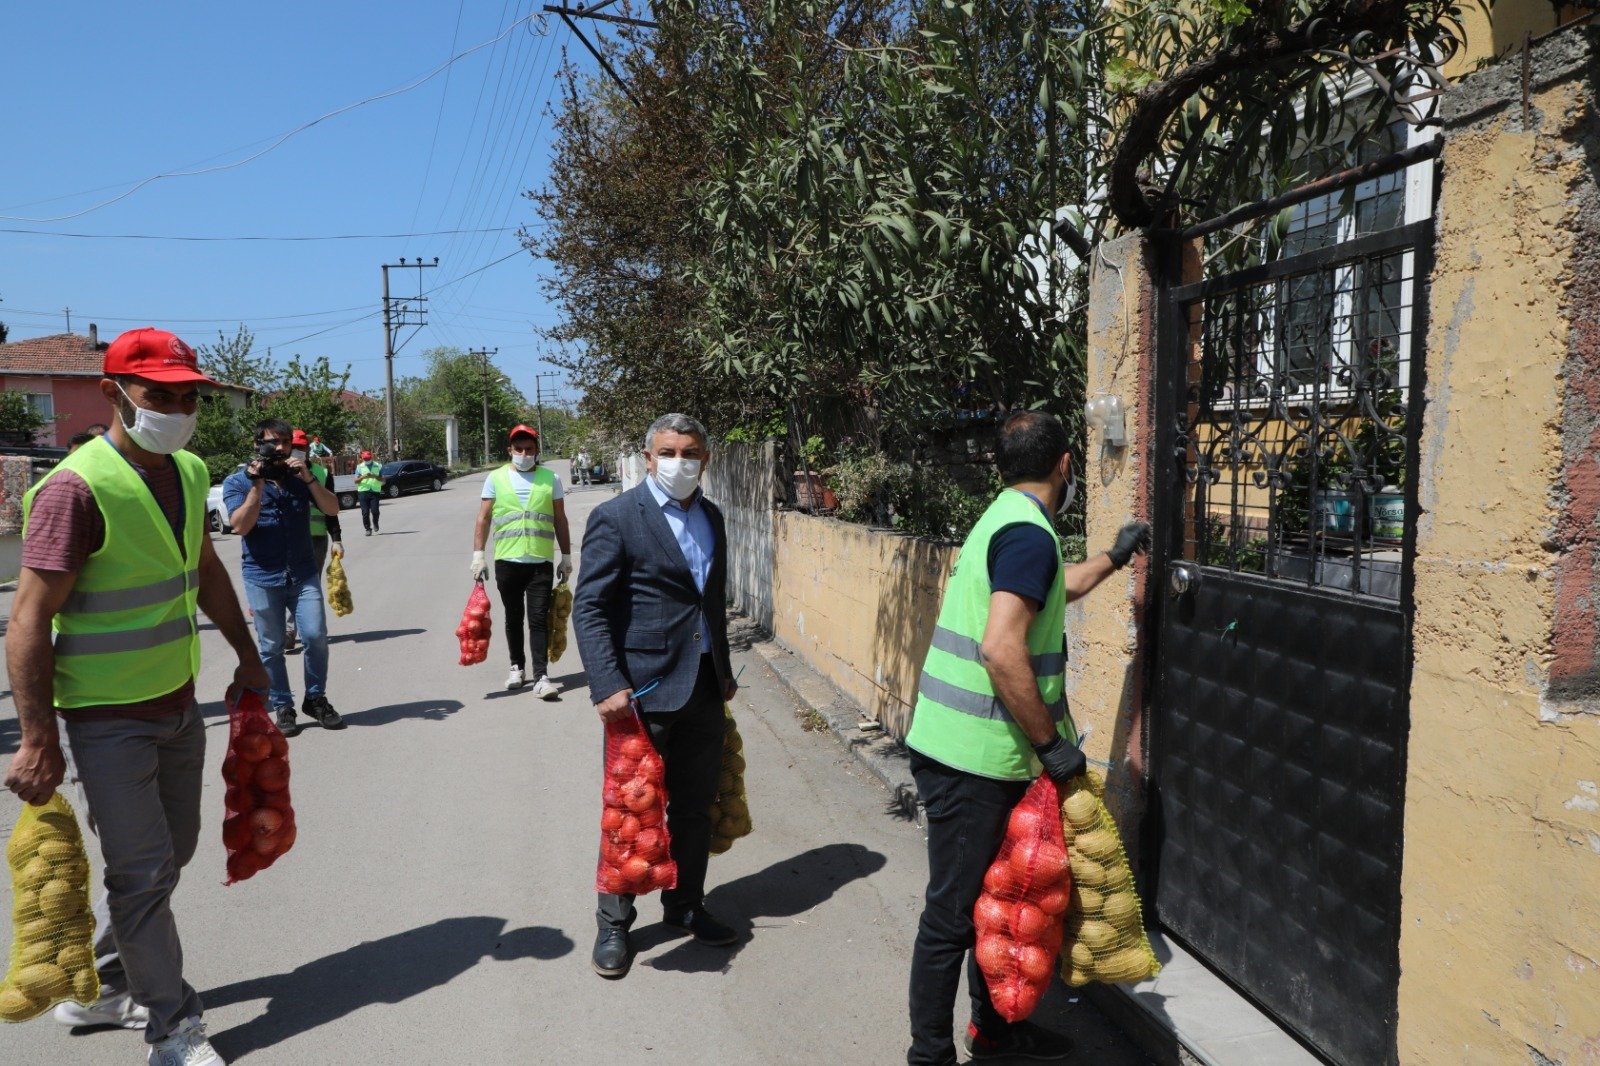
(220, 438)
(19, 422)
(311, 396)
(233, 360)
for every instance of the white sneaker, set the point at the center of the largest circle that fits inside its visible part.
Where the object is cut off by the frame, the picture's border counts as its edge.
(544, 688)
(186, 1047)
(515, 680)
(117, 1009)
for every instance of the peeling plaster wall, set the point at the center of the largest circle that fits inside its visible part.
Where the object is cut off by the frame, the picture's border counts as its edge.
(1105, 660)
(859, 605)
(1500, 942)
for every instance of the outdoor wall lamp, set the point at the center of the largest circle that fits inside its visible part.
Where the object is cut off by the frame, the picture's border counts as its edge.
(1105, 414)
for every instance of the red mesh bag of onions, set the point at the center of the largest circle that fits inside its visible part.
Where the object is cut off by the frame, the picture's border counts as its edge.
(259, 825)
(475, 627)
(634, 846)
(1020, 914)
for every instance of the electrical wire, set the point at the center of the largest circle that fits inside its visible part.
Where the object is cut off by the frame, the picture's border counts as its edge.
(182, 237)
(280, 140)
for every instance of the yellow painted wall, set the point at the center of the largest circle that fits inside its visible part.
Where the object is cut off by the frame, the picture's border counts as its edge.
(1500, 943)
(859, 606)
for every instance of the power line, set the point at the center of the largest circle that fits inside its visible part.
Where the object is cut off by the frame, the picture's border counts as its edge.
(326, 237)
(280, 140)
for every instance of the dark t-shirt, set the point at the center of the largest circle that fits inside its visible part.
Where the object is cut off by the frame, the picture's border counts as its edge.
(65, 527)
(1023, 559)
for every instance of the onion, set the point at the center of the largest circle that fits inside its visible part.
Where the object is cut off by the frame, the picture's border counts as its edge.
(243, 864)
(650, 816)
(998, 880)
(639, 795)
(265, 821)
(235, 832)
(285, 837)
(633, 747)
(252, 747)
(651, 845)
(990, 915)
(1034, 963)
(1050, 865)
(635, 870)
(1025, 824)
(273, 774)
(610, 819)
(1053, 902)
(280, 746)
(994, 953)
(1029, 923)
(1024, 857)
(628, 831)
(278, 801)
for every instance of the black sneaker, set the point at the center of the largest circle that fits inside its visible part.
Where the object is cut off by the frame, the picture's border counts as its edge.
(613, 956)
(286, 723)
(699, 924)
(1023, 1040)
(319, 708)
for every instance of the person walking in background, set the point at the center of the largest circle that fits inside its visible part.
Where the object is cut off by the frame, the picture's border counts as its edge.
(269, 504)
(651, 604)
(523, 507)
(581, 463)
(369, 487)
(324, 527)
(115, 560)
(991, 713)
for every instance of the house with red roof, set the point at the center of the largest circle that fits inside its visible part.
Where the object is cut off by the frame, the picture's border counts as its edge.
(60, 375)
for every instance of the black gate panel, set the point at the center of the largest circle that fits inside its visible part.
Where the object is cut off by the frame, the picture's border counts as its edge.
(1288, 400)
(1279, 782)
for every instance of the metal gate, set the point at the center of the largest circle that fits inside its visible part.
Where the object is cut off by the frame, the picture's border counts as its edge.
(1289, 399)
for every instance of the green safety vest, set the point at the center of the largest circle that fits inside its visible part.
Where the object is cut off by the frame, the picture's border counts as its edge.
(319, 521)
(523, 531)
(367, 476)
(127, 631)
(959, 721)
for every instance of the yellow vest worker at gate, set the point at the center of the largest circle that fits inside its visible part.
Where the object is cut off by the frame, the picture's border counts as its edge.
(991, 713)
(523, 512)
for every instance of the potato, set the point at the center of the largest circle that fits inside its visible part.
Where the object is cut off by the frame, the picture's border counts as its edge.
(1117, 879)
(1082, 958)
(86, 986)
(57, 851)
(17, 1006)
(35, 930)
(43, 980)
(1086, 901)
(1101, 845)
(1129, 964)
(75, 957)
(35, 872)
(1122, 911)
(1081, 809)
(32, 951)
(60, 900)
(1101, 937)
(57, 825)
(1086, 872)
(24, 843)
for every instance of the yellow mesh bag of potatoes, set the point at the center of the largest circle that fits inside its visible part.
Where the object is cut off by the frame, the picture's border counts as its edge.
(338, 587)
(1105, 938)
(730, 813)
(556, 631)
(52, 944)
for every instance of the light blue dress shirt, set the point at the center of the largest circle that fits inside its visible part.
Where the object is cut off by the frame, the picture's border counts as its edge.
(692, 530)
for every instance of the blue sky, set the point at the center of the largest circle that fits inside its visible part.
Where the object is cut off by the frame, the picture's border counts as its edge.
(100, 96)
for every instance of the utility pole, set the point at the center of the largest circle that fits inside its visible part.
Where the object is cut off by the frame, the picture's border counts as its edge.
(68, 312)
(397, 314)
(538, 405)
(486, 353)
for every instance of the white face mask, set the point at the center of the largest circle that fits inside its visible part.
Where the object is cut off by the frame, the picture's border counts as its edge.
(524, 462)
(678, 477)
(156, 432)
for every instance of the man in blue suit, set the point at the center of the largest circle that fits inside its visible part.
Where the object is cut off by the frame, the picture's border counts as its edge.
(651, 604)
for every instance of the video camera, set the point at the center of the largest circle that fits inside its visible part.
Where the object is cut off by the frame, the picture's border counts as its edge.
(274, 467)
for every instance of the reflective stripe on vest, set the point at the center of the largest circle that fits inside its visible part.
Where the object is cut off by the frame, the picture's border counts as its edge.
(127, 632)
(959, 720)
(319, 521)
(523, 530)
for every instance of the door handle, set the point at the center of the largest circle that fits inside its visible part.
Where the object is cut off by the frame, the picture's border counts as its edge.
(1182, 577)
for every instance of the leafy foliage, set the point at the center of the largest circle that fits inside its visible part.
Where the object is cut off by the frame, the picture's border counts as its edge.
(19, 422)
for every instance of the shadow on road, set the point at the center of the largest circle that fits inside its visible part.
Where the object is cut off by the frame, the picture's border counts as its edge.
(10, 733)
(373, 634)
(782, 890)
(389, 970)
(432, 710)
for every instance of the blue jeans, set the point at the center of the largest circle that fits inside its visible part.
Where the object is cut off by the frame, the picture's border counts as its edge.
(269, 605)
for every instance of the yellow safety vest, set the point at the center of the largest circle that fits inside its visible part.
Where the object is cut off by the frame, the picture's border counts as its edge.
(959, 720)
(127, 632)
(367, 477)
(319, 521)
(523, 530)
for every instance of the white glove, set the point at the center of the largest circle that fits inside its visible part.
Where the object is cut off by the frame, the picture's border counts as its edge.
(479, 567)
(563, 569)
(336, 548)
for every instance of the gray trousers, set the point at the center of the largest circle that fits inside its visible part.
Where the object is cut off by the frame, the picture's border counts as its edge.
(140, 782)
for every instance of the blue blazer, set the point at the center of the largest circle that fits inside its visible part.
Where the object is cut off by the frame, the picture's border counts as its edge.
(635, 604)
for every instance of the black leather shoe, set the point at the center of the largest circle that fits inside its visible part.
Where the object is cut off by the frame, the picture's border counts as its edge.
(1023, 1040)
(286, 723)
(612, 955)
(319, 708)
(699, 924)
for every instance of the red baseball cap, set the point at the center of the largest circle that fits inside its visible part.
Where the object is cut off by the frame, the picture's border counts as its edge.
(299, 437)
(153, 354)
(366, 455)
(522, 431)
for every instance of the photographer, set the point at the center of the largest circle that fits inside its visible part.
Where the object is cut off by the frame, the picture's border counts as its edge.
(269, 505)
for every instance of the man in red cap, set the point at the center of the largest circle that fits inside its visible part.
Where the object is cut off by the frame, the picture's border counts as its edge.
(523, 505)
(115, 561)
(324, 527)
(369, 486)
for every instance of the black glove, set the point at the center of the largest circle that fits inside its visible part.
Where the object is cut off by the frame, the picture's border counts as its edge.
(1133, 538)
(1062, 761)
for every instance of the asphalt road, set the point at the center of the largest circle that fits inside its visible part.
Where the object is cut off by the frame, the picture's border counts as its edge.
(438, 905)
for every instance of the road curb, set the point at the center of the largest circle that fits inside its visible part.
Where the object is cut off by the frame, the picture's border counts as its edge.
(883, 756)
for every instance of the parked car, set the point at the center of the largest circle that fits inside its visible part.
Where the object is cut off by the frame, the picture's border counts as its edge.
(216, 520)
(412, 475)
